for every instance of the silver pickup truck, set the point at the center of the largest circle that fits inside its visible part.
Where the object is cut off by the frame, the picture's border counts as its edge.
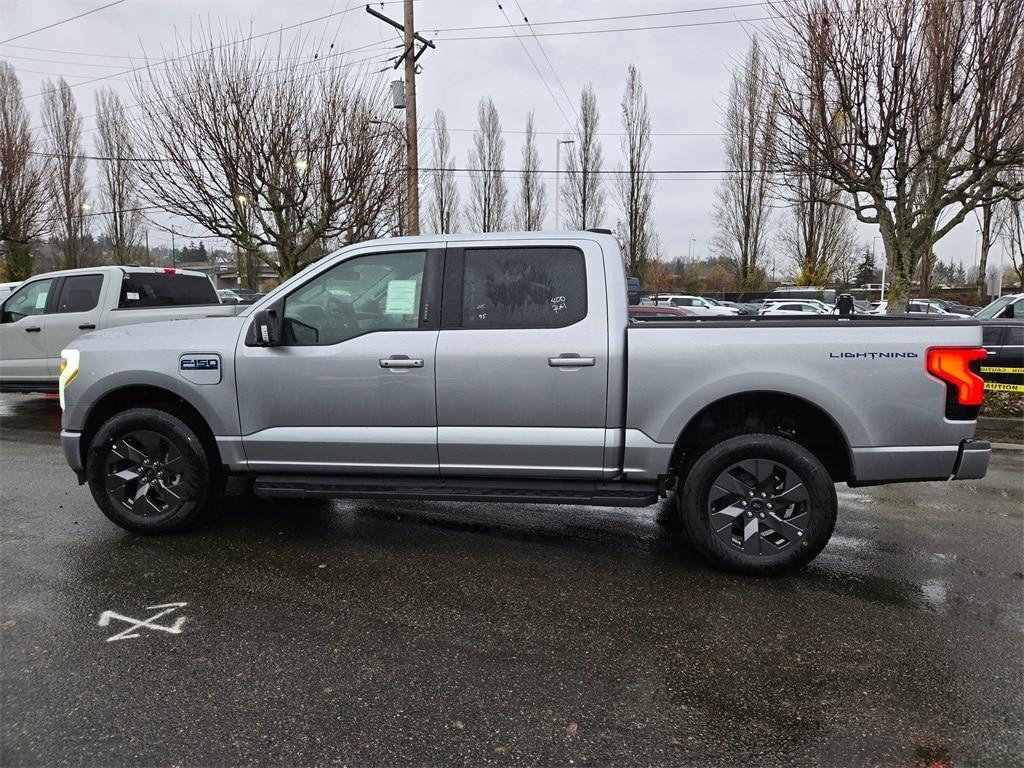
(47, 312)
(506, 368)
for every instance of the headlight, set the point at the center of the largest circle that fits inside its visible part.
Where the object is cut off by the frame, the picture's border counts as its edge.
(68, 370)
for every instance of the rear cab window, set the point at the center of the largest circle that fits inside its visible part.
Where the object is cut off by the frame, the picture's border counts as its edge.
(526, 287)
(79, 293)
(144, 290)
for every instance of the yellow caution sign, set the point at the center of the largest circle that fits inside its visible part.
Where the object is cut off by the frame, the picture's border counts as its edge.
(1000, 369)
(996, 386)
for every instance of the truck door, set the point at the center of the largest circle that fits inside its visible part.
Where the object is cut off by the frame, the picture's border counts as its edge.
(351, 388)
(76, 312)
(23, 357)
(522, 361)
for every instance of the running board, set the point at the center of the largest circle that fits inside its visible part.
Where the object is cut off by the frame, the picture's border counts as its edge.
(457, 489)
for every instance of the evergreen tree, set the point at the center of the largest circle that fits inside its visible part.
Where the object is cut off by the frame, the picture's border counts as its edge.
(866, 270)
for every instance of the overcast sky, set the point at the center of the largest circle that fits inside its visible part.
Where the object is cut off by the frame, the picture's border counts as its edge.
(685, 70)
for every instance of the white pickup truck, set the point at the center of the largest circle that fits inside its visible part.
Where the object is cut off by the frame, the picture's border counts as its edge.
(49, 311)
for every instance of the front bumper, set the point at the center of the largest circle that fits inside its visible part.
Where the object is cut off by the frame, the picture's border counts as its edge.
(70, 443)
(972, 461)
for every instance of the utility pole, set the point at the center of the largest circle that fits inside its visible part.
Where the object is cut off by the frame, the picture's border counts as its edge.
(409, 57)
(174, 259)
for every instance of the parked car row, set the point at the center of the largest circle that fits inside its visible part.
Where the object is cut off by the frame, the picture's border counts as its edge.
(793, 302)
(238, 296)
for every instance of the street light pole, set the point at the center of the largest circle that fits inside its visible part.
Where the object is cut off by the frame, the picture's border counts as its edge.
(885, 263)
(558, 186)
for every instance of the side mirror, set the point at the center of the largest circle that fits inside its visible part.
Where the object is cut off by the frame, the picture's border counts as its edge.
(267, 326)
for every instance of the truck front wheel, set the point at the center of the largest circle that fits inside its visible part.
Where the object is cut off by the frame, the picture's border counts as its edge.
(757, 503)
(148, 471)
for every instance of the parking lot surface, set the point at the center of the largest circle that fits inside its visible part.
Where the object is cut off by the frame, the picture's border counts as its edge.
(374, 633)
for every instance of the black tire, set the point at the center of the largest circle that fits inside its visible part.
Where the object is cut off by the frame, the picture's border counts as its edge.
(162, 493)
(737, 512)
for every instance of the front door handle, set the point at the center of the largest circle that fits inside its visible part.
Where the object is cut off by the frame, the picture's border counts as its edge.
(87, 327)
(571, 360)
(401, 361)
(33, 329)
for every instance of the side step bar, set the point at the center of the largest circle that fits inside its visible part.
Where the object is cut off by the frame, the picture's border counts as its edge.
(456, 489)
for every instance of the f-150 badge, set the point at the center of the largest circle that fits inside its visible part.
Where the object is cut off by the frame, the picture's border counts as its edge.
(200, 368)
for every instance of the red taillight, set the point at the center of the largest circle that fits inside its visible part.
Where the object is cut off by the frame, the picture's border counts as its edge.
(952, 365)
(169, 271)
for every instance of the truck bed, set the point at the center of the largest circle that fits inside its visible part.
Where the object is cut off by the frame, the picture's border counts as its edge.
(864, 374)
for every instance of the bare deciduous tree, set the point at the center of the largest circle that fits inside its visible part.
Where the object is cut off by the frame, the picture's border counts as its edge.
(1009, 228)
(443, 210)
(913, 107)
(65, 171)
(635, 184)
(276, 164)
(488, 202)
(531, 207)
(118, 194)
(743, 198)
(583, 192)
(818, 234)
(22, 180)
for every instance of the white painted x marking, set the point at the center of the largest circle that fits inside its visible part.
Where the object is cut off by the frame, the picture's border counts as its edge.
(137, 624)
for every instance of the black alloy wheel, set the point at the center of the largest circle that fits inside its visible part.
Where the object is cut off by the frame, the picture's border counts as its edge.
(147, 475)
(149, 471)
(759, 507)
(756, 502)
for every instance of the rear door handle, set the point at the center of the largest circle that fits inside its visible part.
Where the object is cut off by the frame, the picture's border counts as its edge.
(87, 327)
(571, 360)
(401, 361)
(33, 329)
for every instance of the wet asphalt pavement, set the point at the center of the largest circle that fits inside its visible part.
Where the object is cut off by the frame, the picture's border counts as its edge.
(371, 633)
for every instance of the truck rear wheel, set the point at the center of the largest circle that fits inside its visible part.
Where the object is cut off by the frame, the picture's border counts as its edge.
(757, 503)
(149, 472)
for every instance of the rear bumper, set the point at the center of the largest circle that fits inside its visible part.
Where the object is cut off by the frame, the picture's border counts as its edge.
(912, 463)
(972, 462)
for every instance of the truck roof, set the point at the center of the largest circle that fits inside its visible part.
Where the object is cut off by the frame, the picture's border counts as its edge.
(126, 269)
(502, 237)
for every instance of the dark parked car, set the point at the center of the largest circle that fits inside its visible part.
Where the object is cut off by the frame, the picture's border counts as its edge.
(1005, 307)
(1002, 327)
(1003, 369)
(646, 312)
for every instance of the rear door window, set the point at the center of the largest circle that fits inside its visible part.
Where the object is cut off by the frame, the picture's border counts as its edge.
(523, 288)
(80, 293)
(142, 290)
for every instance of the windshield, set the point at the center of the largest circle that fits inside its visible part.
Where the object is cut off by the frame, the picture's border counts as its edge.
(995, 308)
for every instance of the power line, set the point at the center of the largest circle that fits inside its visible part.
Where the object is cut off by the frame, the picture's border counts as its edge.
(548, 60)
(622, 17)
(229, 44)
(69, 53)
(615, 29)
(54, 61)
(537, 69)
(601, 133)
(604, 171)
(289, 68)
(62, 21)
